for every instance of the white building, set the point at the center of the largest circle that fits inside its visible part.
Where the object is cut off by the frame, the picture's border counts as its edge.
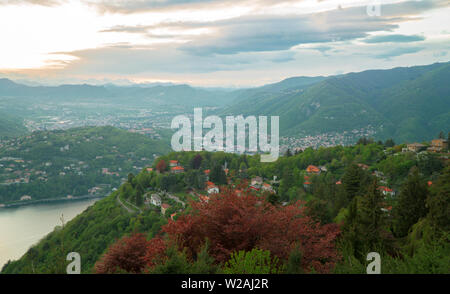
(155, 200)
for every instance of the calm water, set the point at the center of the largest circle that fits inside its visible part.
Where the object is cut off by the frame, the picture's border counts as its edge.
(24, 226)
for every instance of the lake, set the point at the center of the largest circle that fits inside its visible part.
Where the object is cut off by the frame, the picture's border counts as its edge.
(24, 226)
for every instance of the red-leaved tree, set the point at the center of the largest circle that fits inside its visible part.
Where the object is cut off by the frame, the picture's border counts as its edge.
(131, 255)
(161, 166)
(233, 223)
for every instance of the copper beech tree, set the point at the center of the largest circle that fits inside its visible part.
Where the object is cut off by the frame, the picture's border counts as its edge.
(233, 223)
(132, 254)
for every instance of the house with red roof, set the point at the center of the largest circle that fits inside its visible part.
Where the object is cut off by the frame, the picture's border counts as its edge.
(386, 191)
(312, 169)
(211, 188)
(177, 169)
(307, 184)
(173, 163)
(164, 208)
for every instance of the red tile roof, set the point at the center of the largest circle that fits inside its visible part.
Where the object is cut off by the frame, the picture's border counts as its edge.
(177, 168)
(312, 169)
(386, 189)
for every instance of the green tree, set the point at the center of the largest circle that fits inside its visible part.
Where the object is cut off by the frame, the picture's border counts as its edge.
(411, 203)
(294, 263)
(352, 181)
(217, 175)
(371, 217)
(256, 261)
(439, 202)
(389, 143)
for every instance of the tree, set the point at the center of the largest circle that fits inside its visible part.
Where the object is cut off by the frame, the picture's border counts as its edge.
(441, 135)
(204, 263)
(318, 210)
(126, 255)
(247, 222)
(365, 223)
(217, 175)
(256, 261)
(371, 217)
(294, 263)
(439, 202)
(411, 204)
(389, 143)
(352, 181)
(161, 166)
(139, 198)
(131, 179)
(288, 153)
(197, 161)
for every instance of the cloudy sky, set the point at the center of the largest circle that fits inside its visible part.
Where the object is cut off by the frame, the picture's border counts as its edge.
(215, 42)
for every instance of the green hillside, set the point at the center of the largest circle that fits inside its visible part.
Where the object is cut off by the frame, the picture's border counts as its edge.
(408, 104)
(410, 236)
(55, 164)
(10, 126)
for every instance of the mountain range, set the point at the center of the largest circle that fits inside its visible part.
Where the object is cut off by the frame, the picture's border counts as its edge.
(406, 104)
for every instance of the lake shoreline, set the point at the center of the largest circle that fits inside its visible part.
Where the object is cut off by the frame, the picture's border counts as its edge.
(49, 201)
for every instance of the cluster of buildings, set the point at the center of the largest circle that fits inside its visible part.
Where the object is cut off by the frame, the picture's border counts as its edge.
(436, 146)
(325, 140)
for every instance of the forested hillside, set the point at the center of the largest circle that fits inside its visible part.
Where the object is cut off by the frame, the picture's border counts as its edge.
(10, 126)
(407, 104)
(316, 211)
(77, 162)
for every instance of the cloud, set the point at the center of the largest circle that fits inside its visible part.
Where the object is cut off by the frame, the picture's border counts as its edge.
(33, 2)
(398, 52)
(394, 39)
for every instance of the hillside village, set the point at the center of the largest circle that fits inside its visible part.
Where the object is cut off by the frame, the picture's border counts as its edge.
(172, 198)
(82, 162)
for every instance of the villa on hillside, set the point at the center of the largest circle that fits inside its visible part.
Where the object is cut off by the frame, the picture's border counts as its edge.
(438, 145)
(155, 200)
(416, 147)
(211, 188)
(173, 163)
(312, 169)
(177, 169)
(257, 182)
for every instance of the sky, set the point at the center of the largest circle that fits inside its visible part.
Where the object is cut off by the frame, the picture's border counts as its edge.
(215, 43)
